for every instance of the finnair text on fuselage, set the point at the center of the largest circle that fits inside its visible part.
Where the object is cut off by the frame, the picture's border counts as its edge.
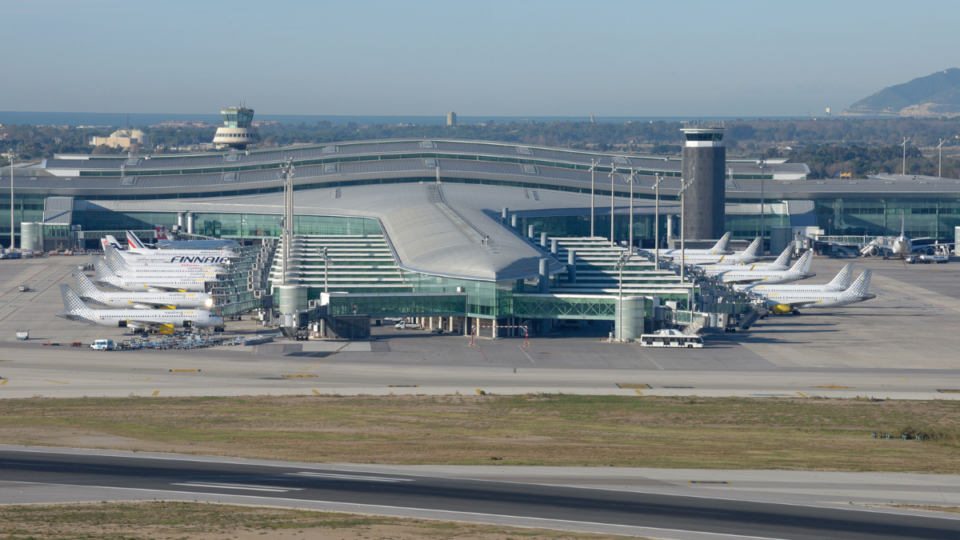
(199, 260)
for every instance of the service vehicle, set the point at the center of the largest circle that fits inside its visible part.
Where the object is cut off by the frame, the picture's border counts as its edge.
(103, 345)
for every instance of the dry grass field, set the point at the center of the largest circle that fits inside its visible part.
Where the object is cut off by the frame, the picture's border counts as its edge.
(177, 520)
(672, 432)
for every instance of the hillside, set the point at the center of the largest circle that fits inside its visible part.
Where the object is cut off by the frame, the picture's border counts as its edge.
(934, 95)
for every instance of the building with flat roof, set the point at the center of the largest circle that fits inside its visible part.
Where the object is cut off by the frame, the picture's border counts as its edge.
(123, 138)
(453, 225)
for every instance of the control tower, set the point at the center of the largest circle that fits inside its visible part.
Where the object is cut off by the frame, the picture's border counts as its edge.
(237, 130)
(704, 162)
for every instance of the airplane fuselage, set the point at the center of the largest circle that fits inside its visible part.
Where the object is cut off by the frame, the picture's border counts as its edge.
(137, 317)
(149, 300)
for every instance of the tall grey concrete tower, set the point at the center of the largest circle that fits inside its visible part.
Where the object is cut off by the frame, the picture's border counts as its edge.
(704, 162)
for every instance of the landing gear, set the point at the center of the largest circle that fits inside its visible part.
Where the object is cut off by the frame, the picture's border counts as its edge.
(795, 311)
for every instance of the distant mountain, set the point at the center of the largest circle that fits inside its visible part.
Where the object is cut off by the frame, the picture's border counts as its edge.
(933, 95)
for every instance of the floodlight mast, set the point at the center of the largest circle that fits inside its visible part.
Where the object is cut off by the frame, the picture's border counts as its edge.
(656, 220)
(286, 174)
(624, 257)
(904, 172)
(940, 160)
(593, 170)
(633, 175)
(613, 175)
(763, 213)
(11, 155)
(683, 253)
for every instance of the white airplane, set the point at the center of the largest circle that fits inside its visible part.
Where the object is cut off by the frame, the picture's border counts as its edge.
(791, 301)
(720, 248)
(749, 255)
(145, 273)
(139, 300)
(121, 267)
(782, 262)
(901, 245)
(165, 243)
(170, 256)
(160, 320)
(153, 284)
(742, 275)
(839, 283)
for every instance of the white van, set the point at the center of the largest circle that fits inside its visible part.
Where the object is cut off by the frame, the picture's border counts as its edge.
(103, 345)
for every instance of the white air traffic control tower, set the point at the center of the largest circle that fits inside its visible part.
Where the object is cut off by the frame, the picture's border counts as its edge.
(237, 130)
(704, 162)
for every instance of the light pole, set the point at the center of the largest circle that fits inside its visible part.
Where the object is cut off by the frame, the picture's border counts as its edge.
(763, 212)
(940, 160)
(904, 172)
(286, 174)
(633, 174)
(324, 256)
(656, 220)
(11, 155)
(624, 257)
(593, 175)
(613, 174)
(683, 247)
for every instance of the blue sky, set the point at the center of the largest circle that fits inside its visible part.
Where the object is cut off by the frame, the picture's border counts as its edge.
(514, 58)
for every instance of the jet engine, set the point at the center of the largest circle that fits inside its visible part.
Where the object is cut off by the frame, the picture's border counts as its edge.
(780, 309)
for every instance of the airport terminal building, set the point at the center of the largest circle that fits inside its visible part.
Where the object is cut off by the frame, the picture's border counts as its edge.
(445, 227)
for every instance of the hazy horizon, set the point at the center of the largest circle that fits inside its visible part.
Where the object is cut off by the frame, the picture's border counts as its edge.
(492, 59)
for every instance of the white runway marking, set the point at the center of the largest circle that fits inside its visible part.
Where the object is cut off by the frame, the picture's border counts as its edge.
(248, 487)
(351, 477)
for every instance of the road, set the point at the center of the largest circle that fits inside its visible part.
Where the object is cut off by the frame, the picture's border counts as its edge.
(353, 488)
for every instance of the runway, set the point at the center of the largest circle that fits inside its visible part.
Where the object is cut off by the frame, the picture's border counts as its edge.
(584, 500)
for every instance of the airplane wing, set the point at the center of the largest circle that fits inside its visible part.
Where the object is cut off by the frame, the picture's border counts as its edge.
(141, 304)
(925, 246)
(161, 288)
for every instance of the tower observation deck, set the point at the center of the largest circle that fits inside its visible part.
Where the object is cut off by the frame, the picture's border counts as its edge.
(237, 130)
(704, 162)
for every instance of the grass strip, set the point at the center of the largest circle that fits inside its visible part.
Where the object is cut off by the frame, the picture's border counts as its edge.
(564, 430)
(180, 520)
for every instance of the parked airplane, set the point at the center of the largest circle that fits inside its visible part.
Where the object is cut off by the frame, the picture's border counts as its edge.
(839, 283)
(900, 246)
(121, 267)
(163, 242)
(139, 300)
(720, 248)
(170, 256)
(800, 270)
(782, 262)
(782, 302)
(160, 320)
(154, 284)
(135, 244)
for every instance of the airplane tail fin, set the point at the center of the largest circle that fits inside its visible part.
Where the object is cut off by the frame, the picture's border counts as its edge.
(750, 254)
(802, 266)
(85, 287)
(71, 301)
(860, 287)
(842, 281)
(134, 242)
(111, 259)
(113, 242)
(783, 261)
(721, 246)
(103, 273)
(161, 232)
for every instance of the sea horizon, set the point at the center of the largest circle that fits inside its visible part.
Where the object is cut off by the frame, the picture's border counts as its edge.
(109, 119)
